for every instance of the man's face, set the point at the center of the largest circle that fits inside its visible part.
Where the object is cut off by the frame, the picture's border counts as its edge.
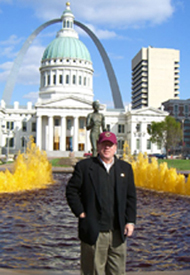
(106, 150)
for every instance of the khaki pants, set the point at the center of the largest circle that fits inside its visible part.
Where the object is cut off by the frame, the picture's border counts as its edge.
(107, 256)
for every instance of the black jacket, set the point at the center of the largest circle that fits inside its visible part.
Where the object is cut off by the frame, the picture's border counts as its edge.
(83, 195)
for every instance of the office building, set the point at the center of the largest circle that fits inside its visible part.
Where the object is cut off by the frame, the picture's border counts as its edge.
(155, 77)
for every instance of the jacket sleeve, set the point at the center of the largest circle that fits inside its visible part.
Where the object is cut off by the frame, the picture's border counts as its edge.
(130, 215)
(73, 191)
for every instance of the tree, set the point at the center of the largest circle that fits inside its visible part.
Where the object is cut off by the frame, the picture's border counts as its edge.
(168, 132)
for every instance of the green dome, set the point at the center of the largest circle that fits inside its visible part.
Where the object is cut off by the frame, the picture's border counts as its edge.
(66, 47)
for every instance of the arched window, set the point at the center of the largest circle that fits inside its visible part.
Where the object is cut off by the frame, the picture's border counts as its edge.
(67, 79)
(186, 110)
(44, 81)
(54, 79)
(48, 79)
(148, 128)
(148, 144)
(121, 128)
(74, 79)
(120, 144)
(23, 141)
(138, 143)
(60, 79)
(80, 80)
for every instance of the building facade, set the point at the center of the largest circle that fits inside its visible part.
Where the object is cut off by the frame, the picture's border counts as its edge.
(57, 121)
(180, 110)
(155, 77)
(138, 121)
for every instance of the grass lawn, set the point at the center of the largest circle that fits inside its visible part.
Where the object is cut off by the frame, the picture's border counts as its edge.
(60, 162)
(179, 164)
(54, 162)
(63, 162)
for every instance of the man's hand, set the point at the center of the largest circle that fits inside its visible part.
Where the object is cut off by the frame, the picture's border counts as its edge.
(82, 215)
(129, 228)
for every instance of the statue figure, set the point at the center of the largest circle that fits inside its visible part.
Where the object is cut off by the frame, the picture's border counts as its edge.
(94, 122)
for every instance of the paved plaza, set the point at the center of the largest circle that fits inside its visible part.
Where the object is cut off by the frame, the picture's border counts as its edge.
(5, 271)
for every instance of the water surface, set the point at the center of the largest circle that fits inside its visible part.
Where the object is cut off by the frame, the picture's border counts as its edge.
(38, 231)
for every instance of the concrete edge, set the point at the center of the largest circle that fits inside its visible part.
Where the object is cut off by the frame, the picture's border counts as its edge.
(6, 271)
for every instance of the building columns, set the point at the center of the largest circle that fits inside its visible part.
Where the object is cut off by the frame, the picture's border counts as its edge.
(87, 143)
(39, 132)
(63, 134)
(50, 129)
(75, 136)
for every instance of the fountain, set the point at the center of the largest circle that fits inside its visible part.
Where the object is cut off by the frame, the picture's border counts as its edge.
(149, 174)
(31, 171)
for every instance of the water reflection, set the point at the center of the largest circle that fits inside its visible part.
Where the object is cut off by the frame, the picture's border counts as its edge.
(37, 230)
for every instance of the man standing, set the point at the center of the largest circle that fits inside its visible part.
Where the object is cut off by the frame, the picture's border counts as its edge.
(101, 193)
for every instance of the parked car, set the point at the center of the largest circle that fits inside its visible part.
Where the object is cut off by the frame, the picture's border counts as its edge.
(158, 156)
(87, 155)
(186, 156)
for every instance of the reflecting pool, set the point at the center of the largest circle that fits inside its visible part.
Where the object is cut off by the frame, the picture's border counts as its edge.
(38, 231)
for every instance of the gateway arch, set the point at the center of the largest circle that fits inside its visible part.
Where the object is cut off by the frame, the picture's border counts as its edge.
(116, 95)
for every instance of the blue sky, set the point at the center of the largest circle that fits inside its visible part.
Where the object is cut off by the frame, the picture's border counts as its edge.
(123, 27)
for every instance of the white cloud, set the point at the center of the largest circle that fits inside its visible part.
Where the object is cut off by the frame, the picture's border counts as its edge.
(113, 13)
(32, 96)
(109, 104)
(29, 71)
(12, 40)
(117, 57)
(101, 34)
(3, 76)
(5, 68)
(7, 52)
(7, 47)
(128, 13)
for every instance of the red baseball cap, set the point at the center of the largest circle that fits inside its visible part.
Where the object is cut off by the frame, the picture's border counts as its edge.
(107, 136)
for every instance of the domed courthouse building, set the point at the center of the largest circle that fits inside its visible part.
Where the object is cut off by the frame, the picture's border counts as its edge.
(58, 120)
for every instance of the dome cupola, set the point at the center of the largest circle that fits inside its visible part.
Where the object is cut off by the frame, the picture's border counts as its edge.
(67, 43)
(66, 66)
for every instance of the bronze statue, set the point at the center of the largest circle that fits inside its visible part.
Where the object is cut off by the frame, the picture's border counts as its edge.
(94, 122)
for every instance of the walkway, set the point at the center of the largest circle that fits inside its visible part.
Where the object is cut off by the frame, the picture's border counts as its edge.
(4, 271)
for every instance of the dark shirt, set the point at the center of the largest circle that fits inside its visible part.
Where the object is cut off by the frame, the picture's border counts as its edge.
(109, 219)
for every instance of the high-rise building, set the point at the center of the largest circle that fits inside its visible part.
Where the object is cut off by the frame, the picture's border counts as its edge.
(155, 77)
